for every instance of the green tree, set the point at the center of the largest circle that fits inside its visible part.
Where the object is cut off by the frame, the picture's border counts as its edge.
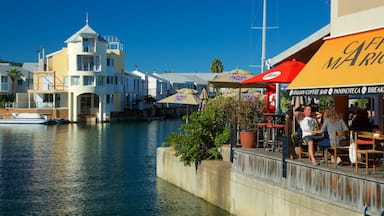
(217, 66)
(326, 101)
(13, 73)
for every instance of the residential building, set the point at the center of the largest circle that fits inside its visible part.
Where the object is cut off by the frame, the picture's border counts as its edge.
(87, 77)
(133, 90)
(193, 80)
(156, 87)
(19, 85)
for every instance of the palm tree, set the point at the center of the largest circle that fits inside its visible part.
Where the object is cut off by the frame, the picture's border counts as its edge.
(14, 73)
(217, 66)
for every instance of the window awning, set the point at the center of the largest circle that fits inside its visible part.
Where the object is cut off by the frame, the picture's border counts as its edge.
(348, 65)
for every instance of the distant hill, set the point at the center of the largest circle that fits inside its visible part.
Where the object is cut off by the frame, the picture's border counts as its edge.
(12, 63)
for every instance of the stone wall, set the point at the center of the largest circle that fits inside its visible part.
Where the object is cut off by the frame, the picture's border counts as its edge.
(210, 181)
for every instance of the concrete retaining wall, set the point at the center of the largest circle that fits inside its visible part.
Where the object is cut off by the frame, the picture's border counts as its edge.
(210, 181)
(239, 193)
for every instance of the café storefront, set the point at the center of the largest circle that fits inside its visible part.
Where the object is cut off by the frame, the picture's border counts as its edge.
(351, 65)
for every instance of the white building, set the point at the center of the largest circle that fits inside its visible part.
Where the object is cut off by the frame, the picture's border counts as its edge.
(154, 86)
(87, 77)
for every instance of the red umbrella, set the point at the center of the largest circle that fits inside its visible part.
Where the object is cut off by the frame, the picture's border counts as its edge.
(283, 73)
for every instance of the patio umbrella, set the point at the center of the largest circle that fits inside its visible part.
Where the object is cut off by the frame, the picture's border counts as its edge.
(183, 96)
(233, 78)
(245, 93)
(283, 73)
(203, 97)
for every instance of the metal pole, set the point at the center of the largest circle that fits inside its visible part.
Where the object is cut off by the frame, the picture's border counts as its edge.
(263, 35)
(284, 155)
(277, 99)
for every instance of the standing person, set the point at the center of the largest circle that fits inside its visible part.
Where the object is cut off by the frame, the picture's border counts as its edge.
(307, 125)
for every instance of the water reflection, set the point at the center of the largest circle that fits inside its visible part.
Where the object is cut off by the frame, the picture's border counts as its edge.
(105, 169)
(172, 200)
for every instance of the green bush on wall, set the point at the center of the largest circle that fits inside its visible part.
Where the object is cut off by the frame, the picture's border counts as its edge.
(205, 132)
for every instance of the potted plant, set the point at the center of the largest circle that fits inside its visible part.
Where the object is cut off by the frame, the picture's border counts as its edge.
(248, 116)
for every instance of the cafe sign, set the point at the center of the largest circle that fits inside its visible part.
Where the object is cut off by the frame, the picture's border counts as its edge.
(358, 53)
(347, 65)
(361, 90)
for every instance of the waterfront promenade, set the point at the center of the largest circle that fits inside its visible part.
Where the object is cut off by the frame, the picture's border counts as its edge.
(259, 183)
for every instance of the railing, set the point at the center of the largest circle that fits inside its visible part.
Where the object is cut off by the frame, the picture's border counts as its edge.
(345, 189)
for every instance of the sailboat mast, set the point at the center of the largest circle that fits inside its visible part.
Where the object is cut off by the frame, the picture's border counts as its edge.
(263, 35)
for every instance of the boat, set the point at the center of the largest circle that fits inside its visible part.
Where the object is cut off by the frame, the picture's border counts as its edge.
(28, 118)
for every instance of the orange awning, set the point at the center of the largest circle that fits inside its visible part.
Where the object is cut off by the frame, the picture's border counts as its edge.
(348, 65)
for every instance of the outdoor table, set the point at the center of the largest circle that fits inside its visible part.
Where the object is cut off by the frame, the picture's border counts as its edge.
(261, 134)
(274, 125)
(274, 117)
(271, 142)
(369, 139)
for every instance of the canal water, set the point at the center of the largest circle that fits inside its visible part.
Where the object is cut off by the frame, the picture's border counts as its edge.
(104, 169)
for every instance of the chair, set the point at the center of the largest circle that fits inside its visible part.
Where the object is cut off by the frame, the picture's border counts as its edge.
(365, 142)
(301, 147)
(261, 132)
(366, 148)
(337, 148)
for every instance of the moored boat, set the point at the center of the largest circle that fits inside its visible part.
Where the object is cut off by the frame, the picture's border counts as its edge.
(27, 118)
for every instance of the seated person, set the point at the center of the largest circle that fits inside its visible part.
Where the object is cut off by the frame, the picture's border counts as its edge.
(361, 122)
(332, 122)
(307, 125)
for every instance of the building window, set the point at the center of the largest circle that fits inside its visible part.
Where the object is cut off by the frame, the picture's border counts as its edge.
(4, 83)
(109, 62)
(88, 45)
(75, 80)
(136, 85)
(100, 80)
(85, 45)
(88, 63)
(88, 80)
(19, 82)
(48, 98)
(95, 101)
(97, 63)
(109, 98)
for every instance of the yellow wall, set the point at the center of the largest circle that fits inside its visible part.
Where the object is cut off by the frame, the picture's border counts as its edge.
(60, 63)
(118, 59)
(57, 67)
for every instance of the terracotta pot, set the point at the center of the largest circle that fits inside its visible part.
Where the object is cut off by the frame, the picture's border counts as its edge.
(248, 139)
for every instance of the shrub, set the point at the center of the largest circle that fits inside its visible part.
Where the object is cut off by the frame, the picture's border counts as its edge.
(206, 131)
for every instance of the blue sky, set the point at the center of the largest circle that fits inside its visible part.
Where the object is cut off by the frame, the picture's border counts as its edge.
(163, 35)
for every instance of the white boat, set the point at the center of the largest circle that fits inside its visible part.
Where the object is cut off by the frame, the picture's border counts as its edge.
(27, 118)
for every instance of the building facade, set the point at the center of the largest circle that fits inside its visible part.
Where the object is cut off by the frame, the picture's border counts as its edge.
(87, 77)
